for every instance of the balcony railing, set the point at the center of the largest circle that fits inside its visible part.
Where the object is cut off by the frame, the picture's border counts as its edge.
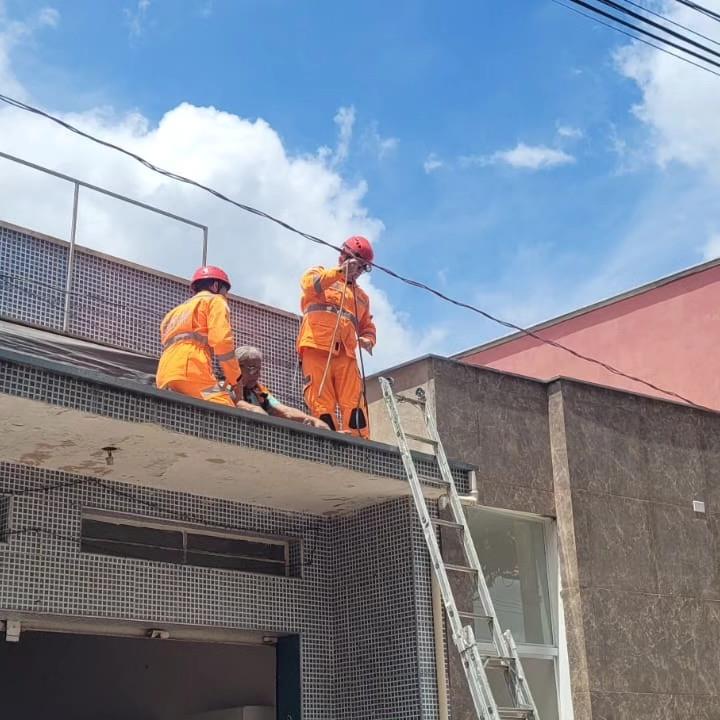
(77, 183)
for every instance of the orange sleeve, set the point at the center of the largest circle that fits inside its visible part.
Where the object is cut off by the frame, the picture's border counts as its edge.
(220, 337)
(366, 326)
(319, 279)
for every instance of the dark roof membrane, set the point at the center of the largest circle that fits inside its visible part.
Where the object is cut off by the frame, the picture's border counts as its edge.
(70, 351)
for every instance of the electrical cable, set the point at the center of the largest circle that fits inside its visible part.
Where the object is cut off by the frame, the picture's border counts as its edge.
(642, 31)
(391, 273)
(700, 8)
(362, 362)
(635, 37)
(673, 33)
(671, 21)
(334, 337)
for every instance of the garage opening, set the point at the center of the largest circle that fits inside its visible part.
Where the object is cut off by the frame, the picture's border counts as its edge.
(90, 677)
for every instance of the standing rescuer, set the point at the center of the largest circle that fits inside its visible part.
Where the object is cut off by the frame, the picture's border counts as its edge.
(191, 333)
(336, 319)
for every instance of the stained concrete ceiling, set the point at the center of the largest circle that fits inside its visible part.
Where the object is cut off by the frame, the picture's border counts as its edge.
(41, 435)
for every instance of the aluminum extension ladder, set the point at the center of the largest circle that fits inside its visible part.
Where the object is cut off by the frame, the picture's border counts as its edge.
(474, 662)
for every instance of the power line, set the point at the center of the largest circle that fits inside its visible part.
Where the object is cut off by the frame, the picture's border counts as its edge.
(635, 37)
(657, 25)
(647, 33)
(391, 273)
(671, 21)
(700, 8)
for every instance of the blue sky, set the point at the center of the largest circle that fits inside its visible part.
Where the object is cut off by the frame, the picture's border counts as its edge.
(499, 144)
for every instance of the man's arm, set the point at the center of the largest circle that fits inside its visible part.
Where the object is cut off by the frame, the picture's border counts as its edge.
(319, 279)
(290, 413)
(220, 338)
(367, 333)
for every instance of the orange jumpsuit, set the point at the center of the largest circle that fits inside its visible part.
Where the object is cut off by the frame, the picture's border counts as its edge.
(321, 303)
(190, 333)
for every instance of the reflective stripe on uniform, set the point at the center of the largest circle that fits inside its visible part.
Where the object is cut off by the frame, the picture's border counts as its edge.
(225, 356)
(214, 390)
(182, 337)
(317, 307)
(317, 284)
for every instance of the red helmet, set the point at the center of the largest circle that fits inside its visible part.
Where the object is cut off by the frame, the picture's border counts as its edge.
(359, 246)
(210, 272)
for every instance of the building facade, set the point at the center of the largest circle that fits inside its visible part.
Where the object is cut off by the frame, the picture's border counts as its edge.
(128, 513)
(586, 526)
(163, 557)
(666, 332)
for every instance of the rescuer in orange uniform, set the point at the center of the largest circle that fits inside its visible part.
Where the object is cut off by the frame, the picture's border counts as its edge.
(336, 318)
(191, 333)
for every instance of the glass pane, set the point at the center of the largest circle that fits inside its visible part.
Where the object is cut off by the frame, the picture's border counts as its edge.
(512, 553)
(541, 678)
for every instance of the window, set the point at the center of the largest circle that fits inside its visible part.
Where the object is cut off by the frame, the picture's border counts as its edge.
(518, 555)
(125, 537)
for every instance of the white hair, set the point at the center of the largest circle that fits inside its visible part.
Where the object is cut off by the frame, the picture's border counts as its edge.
(248, 352)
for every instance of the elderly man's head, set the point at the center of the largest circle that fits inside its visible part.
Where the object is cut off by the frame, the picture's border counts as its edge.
(250, 360)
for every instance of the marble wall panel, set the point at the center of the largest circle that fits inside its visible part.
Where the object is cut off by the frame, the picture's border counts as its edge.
(615, 539)
(685, 550)
(499, 423)
(634, 706)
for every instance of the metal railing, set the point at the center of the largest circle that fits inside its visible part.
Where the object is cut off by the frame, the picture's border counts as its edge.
(73, 226)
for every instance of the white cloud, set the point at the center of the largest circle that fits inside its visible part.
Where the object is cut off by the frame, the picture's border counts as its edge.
(245, 159)
(711, 249)
(135, 19)
(378, 145)
(49, 16)
(569, 132)
(680, 103)
(679, 108)
(345, 121)
(432, 163)
(12, 34)
(527, 157)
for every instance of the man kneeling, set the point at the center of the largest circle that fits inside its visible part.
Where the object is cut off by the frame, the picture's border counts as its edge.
(257, 398)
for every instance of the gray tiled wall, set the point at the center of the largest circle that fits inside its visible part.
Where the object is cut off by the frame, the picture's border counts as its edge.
(354, 607)
(383, 627)
(206, 421)
(363, 605)
(123, 305)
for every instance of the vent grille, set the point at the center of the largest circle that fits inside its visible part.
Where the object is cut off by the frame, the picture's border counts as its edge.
(188, 546)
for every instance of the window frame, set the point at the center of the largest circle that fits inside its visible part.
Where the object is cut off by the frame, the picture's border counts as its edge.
(189, 529)
(537, 651)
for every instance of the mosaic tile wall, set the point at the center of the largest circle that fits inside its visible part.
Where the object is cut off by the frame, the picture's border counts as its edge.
(123, 305)
(358, 572)
(369, 572)
(202, 420)
(5, 510)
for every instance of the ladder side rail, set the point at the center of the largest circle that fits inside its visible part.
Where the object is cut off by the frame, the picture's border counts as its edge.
(469, 546)
(504, 642)
(524, 695)
(477, 680)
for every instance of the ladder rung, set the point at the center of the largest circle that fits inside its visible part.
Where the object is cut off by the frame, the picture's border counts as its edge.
(412, 401)
(422, 438)
(448, 524)
(516, 713)
(459, 568)
(495, 662)
(475, 616)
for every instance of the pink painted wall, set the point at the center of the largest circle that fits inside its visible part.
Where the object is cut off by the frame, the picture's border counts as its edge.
(668, 335)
